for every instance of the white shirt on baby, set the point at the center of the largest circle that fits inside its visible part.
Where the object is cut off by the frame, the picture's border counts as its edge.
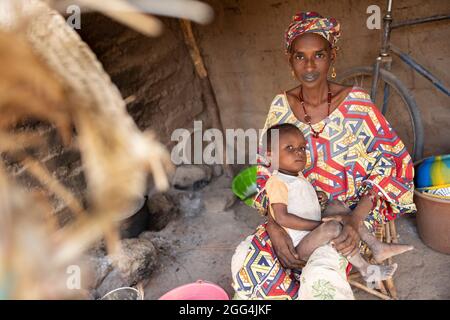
(299, 196)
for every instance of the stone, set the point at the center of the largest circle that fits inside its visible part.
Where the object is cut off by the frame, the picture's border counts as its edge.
(114, 280)
(132, 265)
(159, 242)
(136, 259)
(219, 201)
(191, 176)
(217, 170)
(97, 264)
(99, 268)
(218, 196)
(190, 203)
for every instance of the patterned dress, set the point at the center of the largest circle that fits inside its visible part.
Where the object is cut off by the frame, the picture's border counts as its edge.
(357, 151)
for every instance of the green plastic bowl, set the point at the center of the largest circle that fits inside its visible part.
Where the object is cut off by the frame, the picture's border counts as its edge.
(244, 185)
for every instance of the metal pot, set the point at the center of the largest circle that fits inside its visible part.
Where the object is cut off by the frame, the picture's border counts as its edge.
(135, 221)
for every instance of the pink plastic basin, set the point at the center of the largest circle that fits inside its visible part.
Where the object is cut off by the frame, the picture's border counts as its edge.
(200, 290)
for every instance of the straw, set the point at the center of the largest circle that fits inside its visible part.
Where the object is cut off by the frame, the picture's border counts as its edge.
(72, 87)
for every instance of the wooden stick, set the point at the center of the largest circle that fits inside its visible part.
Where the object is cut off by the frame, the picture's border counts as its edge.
(393, 231)
(379, 232)
(368, 290)
(390, 282)
(190, 41)
(391, 288)
(387, 231)
(210, 97)
(382, 288)
(388, 239)
(354, 276)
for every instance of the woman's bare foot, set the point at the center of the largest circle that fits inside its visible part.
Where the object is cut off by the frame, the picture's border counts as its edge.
(375, 273)
(381, 251)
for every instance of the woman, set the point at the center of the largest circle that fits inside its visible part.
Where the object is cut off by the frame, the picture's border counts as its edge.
(353, 156)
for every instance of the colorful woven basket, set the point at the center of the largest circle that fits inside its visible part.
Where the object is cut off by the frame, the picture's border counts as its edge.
(440, 192)
(433, 171)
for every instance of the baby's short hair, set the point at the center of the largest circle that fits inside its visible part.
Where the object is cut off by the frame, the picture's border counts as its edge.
(282, 128)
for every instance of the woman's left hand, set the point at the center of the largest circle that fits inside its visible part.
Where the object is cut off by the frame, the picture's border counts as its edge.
(347, 243)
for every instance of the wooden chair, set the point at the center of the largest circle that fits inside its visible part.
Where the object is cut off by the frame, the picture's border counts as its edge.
(386, 289)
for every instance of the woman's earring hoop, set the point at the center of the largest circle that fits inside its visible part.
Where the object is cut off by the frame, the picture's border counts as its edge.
(333, 73)
(293, 75)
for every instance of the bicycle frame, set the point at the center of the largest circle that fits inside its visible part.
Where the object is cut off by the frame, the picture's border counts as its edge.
(385, 59)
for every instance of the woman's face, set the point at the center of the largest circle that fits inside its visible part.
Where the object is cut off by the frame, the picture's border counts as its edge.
(310, 58)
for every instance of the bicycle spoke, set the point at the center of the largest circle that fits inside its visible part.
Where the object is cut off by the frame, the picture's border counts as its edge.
(362, 82)
(386, 93)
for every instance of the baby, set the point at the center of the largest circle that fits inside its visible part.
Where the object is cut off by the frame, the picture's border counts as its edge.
(295, 206)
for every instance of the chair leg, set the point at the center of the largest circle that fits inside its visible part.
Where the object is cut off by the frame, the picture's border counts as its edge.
(387, 232)
(391, 288)
(369, 290)
(393, 231)
(391, 236)
(382, 288)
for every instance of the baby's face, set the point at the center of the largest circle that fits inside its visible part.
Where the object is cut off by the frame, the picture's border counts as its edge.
(292, 151)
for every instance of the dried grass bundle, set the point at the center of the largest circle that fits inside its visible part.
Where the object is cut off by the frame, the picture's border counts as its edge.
(51, 75)
(27, 89)
(27, 248)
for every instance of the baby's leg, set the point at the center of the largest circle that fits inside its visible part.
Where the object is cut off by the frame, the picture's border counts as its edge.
(317, 238)
(381, 251)
(330, 230)
(335, 207)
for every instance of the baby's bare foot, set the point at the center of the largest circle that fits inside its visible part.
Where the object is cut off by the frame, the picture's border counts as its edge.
(377, 273)
(382, 251)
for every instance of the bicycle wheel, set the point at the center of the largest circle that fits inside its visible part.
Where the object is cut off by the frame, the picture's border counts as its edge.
(395, 102)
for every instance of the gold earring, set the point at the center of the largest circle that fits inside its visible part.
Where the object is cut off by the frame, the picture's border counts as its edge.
(293, 75)
(333, 73)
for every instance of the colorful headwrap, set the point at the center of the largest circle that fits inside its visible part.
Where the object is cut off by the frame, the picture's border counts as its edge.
(312, 22)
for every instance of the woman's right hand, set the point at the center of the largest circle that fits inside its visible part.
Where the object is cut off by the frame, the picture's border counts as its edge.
(283, 246)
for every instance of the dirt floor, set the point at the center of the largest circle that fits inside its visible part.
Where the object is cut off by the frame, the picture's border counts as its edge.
(200, 246)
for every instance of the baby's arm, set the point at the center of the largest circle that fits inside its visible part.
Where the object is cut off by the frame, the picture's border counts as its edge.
(289, 220)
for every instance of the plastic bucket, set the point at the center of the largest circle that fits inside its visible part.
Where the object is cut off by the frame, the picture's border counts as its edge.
(244, 185)
(433, 221)
(200, 290)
